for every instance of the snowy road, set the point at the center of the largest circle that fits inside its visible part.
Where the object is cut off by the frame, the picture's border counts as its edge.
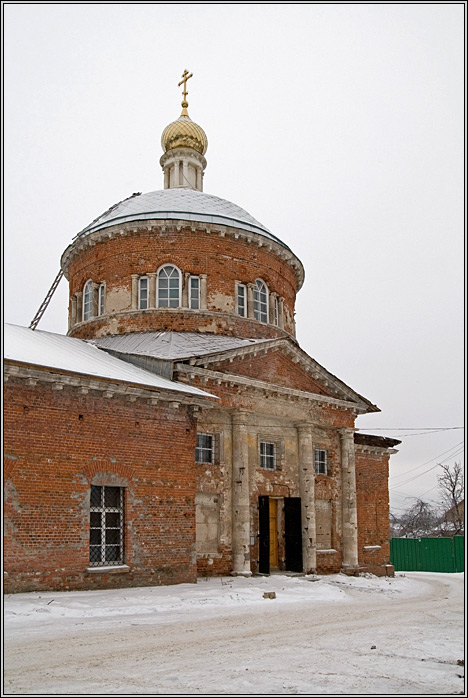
(334, 635)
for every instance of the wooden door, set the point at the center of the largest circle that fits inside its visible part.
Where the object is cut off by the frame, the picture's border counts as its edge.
(273, 532)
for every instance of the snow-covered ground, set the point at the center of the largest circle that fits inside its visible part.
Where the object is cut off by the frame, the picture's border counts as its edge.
(320, 635)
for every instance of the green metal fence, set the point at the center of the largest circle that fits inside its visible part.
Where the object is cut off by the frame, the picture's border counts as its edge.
(428, 554)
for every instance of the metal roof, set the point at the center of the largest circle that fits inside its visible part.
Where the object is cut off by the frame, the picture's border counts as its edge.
(56, 351)
(179, 204)
(172, 346)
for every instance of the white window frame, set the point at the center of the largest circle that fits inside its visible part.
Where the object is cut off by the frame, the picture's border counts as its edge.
(268, 453)
(101, 298)
(106, 540)
(88, 300)
(276, 311)
(194, 298)
(143, 302)
(205, 453)
(320, 461)
(261, 301)
(241, 307)
(158, 288)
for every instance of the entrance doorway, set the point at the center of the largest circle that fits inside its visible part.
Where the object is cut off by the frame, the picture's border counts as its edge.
(272, 525)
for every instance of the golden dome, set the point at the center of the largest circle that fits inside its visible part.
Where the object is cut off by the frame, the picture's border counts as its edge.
(184, 133)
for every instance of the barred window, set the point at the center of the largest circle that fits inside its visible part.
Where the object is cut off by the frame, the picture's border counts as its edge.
(260, 301)
(268, 455)
(320, 461)
(88, 300)
(241, 300)
(143, 293)
(194, 293)
(106, 526)
(204, 451)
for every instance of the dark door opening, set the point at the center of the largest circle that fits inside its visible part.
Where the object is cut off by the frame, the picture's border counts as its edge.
(293, 534)
(264, 535)
(267, 513)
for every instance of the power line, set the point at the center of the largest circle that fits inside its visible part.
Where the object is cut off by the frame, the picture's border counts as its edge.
(428, 461)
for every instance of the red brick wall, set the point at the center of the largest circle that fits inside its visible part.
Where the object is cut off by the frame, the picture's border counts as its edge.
(223, 259)
(274, 367)
(373, 510)
(58, 443)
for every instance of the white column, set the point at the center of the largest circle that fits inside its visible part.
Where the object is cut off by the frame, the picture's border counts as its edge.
(185, 174)
(250, 300)
(349, 504)
(73, 311)
(134, 298)
(95, 304)
(307, 490)
(281, 312)
(240, 496)
(152, 289)
(79, 306)
(202, 291)
(185, 290)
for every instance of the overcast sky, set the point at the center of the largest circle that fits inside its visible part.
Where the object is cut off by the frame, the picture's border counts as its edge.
(338, 126)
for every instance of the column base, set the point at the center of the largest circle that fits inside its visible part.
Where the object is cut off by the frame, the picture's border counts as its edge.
(240, 574)
(350, 570)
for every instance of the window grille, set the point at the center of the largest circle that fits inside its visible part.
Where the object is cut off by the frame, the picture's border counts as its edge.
(320, 461)
(204, 451)
(168, 287)
(260, 301)
(88, 300)
(143, 286)
(241, 300)
(194, 291)
(106, 526)
(267, 455)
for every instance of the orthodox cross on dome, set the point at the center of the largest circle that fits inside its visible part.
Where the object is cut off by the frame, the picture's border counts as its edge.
(185, 76)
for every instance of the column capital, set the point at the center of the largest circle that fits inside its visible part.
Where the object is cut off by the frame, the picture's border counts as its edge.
(304, 425)
(240, 417)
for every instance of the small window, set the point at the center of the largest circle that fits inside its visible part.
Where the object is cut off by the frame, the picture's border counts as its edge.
(260, 301)
(242, 300)
(194, 293)
(106, 526)
(143, 291)
(102, 291)
(204, 451)
(169, 287)
(276, 311)
(268, 455)
(88, 301)
(320, 461)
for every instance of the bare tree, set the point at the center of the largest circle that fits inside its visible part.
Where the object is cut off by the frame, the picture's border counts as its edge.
(419, 520)
(451, 482)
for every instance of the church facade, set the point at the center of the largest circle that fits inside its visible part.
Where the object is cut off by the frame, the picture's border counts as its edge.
(245, 459)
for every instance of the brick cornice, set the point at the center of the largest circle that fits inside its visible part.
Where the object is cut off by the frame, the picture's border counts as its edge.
(170, 226)
(58, 380)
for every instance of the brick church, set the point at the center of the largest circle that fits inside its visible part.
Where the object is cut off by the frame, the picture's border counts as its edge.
(179, 430)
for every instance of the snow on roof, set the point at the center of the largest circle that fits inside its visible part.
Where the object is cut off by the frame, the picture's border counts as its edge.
(173, 345)
(77, 356)
(183, 204)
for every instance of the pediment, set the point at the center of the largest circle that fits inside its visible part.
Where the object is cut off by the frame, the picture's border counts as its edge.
(281, 362)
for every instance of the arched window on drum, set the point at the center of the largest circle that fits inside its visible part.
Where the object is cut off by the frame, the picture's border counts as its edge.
(88, 300)
(168, 287)
(260, 301)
